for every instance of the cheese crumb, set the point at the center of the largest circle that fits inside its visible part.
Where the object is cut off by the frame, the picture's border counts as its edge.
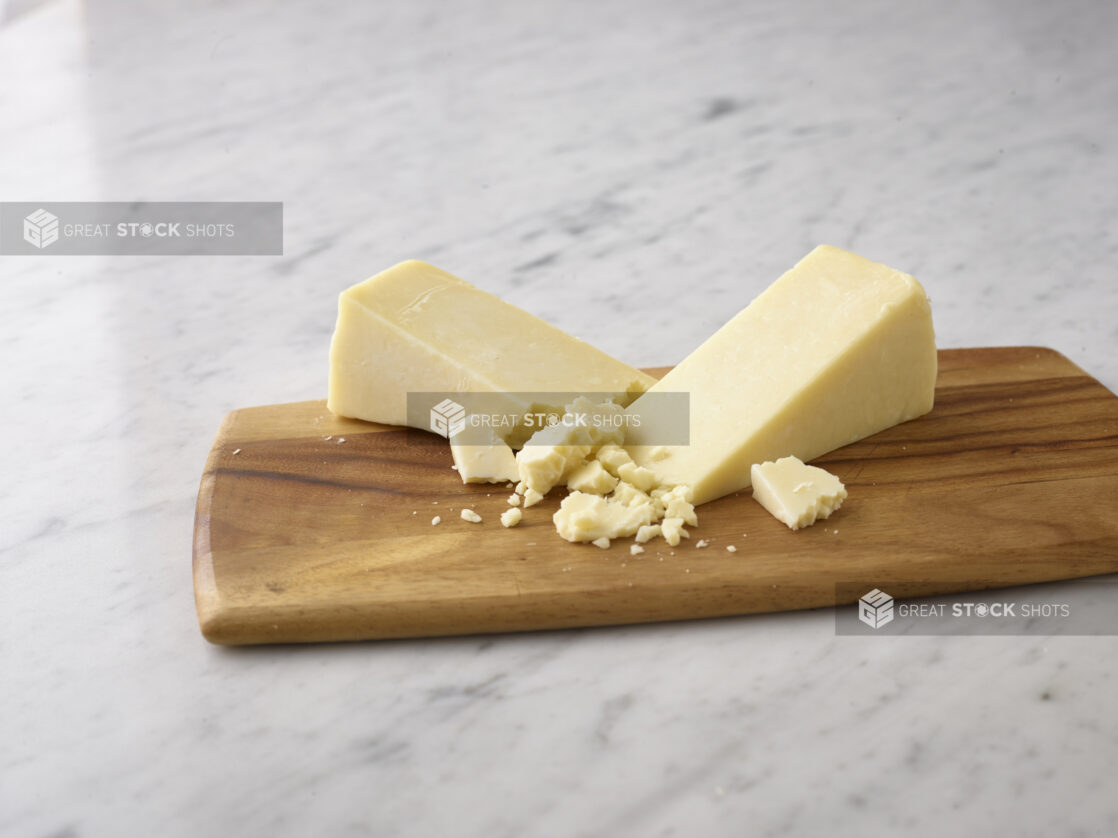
(677, 504)
(514, 499)
(647, 533)
(639, 476)
(613, 457)
(471, 516)
(672, 530)
(629, 495)
(702, 542)
(586, 517)
(635, 549)
(435, 521)
(592, 478)
(236, 452)
(601, 542)
(730, 548)
(511, 517)
(555, 451)
(531, 498)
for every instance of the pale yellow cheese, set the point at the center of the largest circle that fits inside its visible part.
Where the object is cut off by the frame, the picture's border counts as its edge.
(492, 463)
(629, 509)
(585, 517)
(592, 478)
(541, 467)
(415, 328)
(629, 495)
(554, 452)
(677, 504)
(672, 530)
(612, 457)
(836, 349)
(642, 478)
(797, 494)
(511, 516)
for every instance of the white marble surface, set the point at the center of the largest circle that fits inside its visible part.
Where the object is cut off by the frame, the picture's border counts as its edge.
(634, 172)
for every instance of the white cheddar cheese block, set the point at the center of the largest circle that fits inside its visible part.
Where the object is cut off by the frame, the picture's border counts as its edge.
(797, 494)
(836, 349)
(415, 328)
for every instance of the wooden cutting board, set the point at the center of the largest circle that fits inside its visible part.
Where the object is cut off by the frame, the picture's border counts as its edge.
(299, 536)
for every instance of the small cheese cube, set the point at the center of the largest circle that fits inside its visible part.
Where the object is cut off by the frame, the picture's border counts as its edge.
(795, 493)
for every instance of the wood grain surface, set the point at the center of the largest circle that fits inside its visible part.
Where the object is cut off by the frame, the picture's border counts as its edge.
(1011, 479)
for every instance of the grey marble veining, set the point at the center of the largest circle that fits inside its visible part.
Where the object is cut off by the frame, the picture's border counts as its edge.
(635, 173)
